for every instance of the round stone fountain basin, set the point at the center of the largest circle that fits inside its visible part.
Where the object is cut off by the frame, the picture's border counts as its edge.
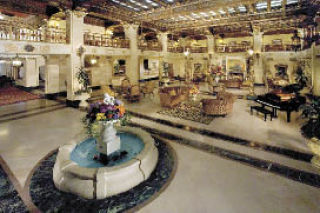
(75, 170)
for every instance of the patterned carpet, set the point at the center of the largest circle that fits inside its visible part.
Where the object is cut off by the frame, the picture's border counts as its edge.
(188, 111)
(48, 199)
(11, 95)
(9, 198)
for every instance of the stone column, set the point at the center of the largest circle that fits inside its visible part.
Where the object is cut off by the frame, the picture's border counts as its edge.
(210, 43)
(75, 23)
(163, 39)
(257, 57)
(132, 71)
(301, 32)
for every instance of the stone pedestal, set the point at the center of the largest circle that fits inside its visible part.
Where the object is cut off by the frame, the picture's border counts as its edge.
(108, 142)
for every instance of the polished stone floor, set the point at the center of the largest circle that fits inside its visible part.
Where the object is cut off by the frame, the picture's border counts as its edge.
(213, 174)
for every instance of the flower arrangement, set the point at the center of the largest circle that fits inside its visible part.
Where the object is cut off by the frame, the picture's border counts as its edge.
(194, 90)
(108, 110)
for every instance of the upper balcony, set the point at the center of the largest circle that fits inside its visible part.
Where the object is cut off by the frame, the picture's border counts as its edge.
(48, 34)
(232, 48)
(191, 49)
(150, 45)
(280, 48)
(103, 40)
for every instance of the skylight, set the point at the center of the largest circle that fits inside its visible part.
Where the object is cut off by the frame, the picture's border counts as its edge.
(242, 9)
(222, 12)
(204, 14)
(289, 2)
(213, 13)
(231, 10)
(276, 3)
(262, 5)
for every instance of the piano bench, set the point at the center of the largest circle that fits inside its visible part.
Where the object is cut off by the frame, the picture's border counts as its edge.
(262, 110)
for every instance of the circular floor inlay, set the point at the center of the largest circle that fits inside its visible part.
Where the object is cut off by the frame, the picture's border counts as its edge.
(49, 199)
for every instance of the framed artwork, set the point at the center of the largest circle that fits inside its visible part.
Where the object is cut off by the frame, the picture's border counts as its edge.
(236, 65)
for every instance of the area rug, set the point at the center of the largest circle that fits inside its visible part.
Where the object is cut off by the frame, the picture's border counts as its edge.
(188, 111)
(11, 95)
(10, 200)
(48, 199)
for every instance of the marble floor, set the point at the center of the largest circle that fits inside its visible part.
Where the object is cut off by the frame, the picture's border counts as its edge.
(213, 174)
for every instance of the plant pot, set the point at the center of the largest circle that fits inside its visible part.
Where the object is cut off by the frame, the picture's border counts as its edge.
(314, 145)
(108, 142)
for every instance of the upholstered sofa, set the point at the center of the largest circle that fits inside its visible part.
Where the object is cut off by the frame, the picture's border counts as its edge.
(173, 96)
(223, 105)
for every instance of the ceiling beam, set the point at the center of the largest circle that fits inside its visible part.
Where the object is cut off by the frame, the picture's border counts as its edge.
(187, 8)
(231, 20)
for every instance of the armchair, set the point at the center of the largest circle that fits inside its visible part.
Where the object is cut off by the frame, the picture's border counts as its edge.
(223, 105)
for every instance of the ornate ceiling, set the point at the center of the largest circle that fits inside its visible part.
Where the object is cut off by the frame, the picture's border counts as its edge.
(182, 16)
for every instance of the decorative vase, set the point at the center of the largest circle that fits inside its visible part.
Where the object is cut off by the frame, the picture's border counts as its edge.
(314, 145)
(108, 142)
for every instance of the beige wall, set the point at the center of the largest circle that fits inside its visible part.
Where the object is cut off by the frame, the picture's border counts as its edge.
(286, 38)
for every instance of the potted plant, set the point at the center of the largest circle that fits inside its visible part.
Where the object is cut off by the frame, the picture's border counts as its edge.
(311, 129)
(83, 93)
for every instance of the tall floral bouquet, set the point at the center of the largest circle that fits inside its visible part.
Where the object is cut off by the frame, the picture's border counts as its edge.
(108, 110)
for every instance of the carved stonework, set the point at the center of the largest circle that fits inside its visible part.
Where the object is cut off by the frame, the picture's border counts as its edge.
(45, 49)
(80, 13)
(11, 48)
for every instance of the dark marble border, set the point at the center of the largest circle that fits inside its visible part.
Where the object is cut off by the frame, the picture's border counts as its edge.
(33, 114)
(31, 110)
(131, 192)
(16, 184)
(264, 165)
(296, 155)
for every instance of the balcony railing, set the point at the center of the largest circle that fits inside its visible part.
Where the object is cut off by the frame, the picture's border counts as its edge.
(280, 48)
(102, 40)
(232, 49)
(198, 49)
(190, 49)
(175, 49)
(150, 45)
(51, 35)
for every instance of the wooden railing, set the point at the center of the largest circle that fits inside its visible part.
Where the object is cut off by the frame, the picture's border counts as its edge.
(190, 49)
(175, 49)
(52, 35)
(102, 40)
(150, 45)
(280, 48)
(198, 49)
(232, 49)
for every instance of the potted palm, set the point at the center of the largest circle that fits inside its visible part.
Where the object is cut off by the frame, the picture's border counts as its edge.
(311, 129)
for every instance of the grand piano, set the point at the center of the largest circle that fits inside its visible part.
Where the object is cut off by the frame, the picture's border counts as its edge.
(285, 99)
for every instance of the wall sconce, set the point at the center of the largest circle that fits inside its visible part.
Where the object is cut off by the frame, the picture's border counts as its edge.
(93, 61)
(186, 53)
(250, 52)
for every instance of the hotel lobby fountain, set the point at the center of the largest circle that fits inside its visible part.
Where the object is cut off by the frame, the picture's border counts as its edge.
(114, 161)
